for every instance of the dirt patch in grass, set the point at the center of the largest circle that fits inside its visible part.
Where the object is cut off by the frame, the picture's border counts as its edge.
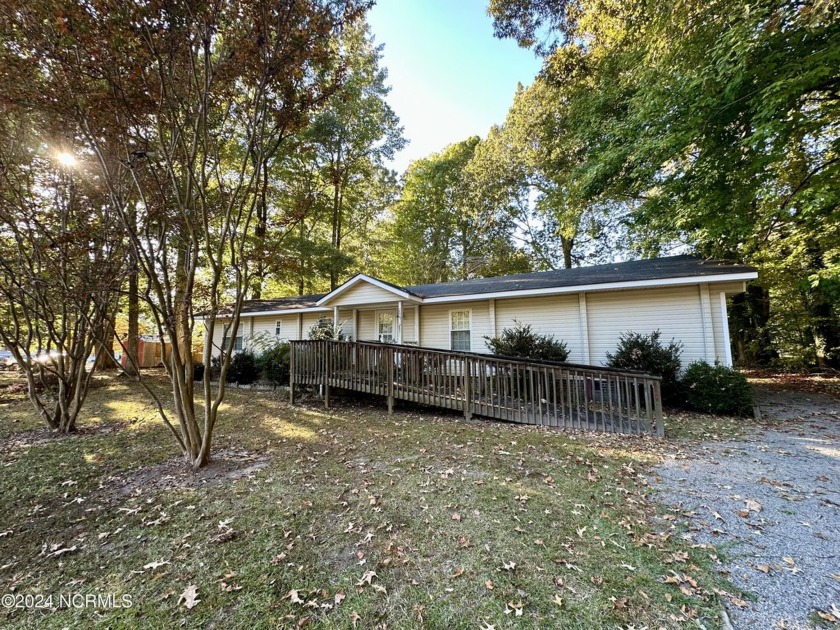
(226, 466)
(44, 435)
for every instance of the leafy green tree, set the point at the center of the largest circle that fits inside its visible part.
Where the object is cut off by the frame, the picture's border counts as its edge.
(61, 264)
(445, 228)
(715, 127)
(332, 181)
(185, 107)
(524, 167)
(353, 136)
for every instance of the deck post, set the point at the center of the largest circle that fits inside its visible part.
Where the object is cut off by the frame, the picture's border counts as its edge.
(389, 386)
(327, 363)
(292, 373)
(467, 393)
(657, 408)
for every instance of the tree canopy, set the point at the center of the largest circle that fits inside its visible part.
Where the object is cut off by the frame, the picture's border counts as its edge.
(715, 127)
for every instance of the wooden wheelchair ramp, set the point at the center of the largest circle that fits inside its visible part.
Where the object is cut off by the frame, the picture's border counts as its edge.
(550, 394)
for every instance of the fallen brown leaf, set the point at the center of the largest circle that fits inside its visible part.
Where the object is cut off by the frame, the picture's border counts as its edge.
(189, 597)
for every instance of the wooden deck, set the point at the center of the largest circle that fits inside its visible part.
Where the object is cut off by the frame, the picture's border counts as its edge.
(559, 395)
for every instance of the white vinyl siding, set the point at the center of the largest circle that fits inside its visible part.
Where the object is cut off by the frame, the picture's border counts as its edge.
(675, 312)
(219, 335)
(266, 327)
(364, 293)
(408, 324)
(367, 325)
(557, 315)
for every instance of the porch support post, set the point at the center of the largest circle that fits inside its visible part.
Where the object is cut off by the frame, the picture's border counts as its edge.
(336, 320)
(399, 322)
(467, 388)
(417, 325)
(355, 324)
(300, 326)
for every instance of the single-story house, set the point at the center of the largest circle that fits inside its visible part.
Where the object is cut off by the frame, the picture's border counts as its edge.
(587, 307)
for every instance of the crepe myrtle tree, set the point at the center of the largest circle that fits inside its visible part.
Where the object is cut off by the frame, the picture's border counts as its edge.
(59, 269)
(183, 104)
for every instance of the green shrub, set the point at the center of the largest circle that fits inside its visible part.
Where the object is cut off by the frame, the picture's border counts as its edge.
(274, 363)
(522, 341)
(198, 372)
(243, 368)
(716, 389)
(646, 353)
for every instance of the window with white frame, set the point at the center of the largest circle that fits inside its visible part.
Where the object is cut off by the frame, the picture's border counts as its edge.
(278, 328)
(385, 326)
(238, 344)
(459, 331)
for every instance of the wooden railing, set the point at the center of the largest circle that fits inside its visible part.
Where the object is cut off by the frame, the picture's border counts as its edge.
(530, 392)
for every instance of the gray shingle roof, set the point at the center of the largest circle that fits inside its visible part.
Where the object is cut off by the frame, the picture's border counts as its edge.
(280, 304)
(636, 270)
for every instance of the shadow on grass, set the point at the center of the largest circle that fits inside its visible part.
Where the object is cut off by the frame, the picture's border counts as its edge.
(461, 523)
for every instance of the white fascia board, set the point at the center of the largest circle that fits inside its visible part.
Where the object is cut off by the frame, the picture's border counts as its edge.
(589, 288)
(370, 280)
(293, 311)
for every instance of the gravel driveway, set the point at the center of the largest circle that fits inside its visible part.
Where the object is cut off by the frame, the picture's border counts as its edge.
(772, 499)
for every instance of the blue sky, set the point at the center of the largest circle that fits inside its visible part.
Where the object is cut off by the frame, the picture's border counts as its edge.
(450, 77)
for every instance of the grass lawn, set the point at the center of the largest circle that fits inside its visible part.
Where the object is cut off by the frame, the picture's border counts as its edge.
(340, 519)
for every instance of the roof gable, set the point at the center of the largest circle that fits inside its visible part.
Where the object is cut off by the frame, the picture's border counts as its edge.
(364, 289)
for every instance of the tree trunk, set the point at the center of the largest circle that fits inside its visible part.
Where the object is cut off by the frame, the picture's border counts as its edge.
(825, 329)
(260, 231)
(336, 238)
(133, 342)
(104, 359)
(183, 338)
(567, 245)
(825, 325)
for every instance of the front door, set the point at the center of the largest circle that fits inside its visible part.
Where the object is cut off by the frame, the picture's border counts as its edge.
(385, 326)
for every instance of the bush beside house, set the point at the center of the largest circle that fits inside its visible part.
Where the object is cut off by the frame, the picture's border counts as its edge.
(646, 353)
(522, 341)
(716, 389)
(274, 364)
